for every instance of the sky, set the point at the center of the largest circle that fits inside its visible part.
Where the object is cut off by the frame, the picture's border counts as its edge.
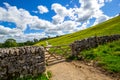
(25, 20)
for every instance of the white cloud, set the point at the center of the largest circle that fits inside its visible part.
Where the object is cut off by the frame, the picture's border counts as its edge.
(68, 26)
(42, 9)
(8, 31)
(38, 24)
(62, 28)
(22, 18)
(84, 25)
(31, 36)
(101, 19)
(61, 13)
(26, 37)
(87, 10)
(59, 9)
(4, 30)
(91, 9)
(57, 19)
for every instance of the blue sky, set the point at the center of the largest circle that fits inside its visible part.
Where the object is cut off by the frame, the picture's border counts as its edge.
(28, 19)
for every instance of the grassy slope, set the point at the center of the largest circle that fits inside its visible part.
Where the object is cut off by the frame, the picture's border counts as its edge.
(109, 27)
(107, 56)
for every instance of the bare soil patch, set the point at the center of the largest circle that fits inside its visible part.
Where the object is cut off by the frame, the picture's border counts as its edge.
(75, 70)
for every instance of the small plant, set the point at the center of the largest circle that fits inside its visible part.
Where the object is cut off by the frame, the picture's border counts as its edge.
(104, 51)
(72, 58)
(49, 74)
(117, 53)
(39, 77)
(111, 46)
(90, 56)
(117, 49)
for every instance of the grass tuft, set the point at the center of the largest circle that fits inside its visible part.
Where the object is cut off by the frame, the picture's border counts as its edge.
(39, 77)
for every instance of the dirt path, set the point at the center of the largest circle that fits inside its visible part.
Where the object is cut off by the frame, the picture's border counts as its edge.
(75, 71)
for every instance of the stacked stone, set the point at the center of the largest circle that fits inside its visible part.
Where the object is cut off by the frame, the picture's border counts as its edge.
(106, 39)
(91, 42)
(21, 61)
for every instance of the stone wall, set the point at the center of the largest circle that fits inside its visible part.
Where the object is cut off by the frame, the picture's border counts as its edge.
(21, 61)
(91, 42)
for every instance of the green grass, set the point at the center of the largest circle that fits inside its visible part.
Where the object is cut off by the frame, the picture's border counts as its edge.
(39, 77)
(109, 27)
(107, 56)
(49, 74)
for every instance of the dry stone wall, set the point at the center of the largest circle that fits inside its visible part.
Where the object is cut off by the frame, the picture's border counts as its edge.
(91, 42)
(21, 61)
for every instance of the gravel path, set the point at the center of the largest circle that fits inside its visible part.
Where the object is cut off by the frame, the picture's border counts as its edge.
(75, 70)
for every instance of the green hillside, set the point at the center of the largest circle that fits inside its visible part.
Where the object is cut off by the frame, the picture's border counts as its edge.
(106, 56)
(109, 27)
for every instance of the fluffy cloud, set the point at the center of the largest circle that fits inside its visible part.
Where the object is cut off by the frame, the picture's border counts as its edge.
(39, 24)
(61, 13)
(62, 28)
(68, 26)
(8, 31)
(18, 16)
(42, 9)
(87, 10)
(101, 19)
(31, 36)
(4, 30)
(22, 18)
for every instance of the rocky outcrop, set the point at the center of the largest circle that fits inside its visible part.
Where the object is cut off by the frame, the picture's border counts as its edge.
(21, 61)
(91, 42)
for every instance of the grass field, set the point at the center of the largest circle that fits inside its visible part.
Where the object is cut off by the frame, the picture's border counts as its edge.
(109, 27)
(107, 56)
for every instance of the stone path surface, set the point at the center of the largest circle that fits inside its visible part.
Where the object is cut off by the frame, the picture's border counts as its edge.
(75, 70)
